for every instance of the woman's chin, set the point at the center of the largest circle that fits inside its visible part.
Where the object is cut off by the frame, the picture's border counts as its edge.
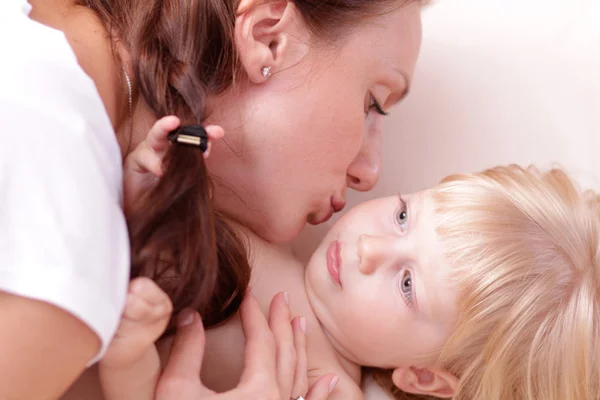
(279, 233)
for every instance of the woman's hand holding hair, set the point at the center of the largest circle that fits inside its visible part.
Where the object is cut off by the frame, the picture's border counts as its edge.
(275, 366)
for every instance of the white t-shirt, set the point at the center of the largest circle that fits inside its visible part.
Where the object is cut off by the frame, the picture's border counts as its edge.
(63, 237)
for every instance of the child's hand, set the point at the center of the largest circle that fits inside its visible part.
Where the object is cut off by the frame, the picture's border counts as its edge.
(144, 320)
(144, 165)
(131, 366)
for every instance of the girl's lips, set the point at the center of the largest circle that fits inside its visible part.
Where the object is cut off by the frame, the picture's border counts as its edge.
(334, 262)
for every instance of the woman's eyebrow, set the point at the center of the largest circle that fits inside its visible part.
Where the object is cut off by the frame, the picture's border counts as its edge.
(402, 87)
(407, 83)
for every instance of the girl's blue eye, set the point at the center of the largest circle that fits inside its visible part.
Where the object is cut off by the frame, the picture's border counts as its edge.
(406, 287)
(402, 217)
(402, 214)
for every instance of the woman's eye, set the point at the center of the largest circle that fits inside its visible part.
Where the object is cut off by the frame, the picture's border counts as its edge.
(374, 105)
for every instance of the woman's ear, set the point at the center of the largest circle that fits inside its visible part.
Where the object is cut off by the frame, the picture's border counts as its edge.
(426, 381)
(262, 36)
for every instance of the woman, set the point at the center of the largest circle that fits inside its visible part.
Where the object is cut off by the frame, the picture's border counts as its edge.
(300, 105)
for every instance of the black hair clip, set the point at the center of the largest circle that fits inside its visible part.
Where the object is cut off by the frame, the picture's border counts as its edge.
(190, 135)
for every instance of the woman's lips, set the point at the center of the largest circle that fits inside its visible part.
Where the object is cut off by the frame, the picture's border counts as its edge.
(322, 219)
(336, 205)
(334, 262)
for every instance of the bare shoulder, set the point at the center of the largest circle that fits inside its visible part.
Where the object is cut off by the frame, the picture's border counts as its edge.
(274, 270)
(271, 259)
(323, 359)
(347, 387)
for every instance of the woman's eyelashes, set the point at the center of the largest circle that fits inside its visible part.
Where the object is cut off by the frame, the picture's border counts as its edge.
(373, 104)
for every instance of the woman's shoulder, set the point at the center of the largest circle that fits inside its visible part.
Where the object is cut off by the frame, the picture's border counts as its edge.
(42, 77)
(46, 94)
(61, 178)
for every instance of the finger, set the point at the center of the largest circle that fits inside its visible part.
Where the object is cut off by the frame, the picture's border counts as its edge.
(143, 159)
(148, 289)
(322, 388)
(300, 377)
(187, 350)
(139, 311)
(137, 308)
(207, 152)
(157, 138)
(260, 353)
(279, 322)
(214, 132)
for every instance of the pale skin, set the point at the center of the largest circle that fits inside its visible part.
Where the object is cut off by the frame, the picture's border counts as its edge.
(388, 328)
(274, 269)
(131, 367)
(381, 73)
(375, 334)
(390, 305)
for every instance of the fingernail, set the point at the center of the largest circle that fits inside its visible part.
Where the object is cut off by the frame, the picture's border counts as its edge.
(332, 384)
(286, 296)
(303, 324)
(169, 120)
(185, 318)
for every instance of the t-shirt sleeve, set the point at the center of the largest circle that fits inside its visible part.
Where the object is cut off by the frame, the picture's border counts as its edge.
(63, 237)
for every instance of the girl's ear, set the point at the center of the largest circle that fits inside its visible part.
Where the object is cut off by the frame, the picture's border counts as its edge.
(426, 381)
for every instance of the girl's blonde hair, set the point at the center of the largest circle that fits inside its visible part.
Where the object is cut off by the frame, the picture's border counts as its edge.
(525, 248)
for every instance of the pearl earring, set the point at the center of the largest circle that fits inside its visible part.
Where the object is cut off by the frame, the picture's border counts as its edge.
(266, 71)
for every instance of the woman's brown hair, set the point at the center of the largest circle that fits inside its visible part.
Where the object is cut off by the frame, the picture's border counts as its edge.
(181, 52)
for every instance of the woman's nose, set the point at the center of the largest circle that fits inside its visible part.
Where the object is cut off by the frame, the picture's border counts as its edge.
(373, 252)
(365, 170)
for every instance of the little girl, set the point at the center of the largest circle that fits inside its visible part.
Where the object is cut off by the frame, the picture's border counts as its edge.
(486, 286)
